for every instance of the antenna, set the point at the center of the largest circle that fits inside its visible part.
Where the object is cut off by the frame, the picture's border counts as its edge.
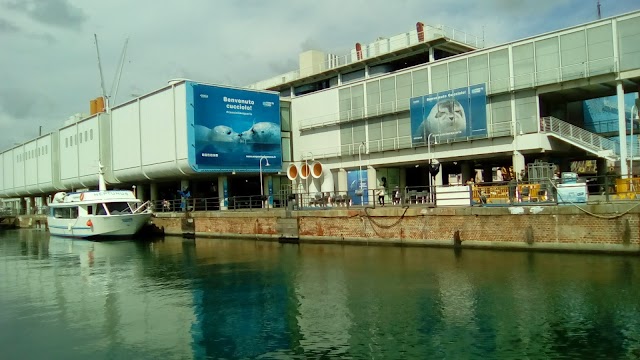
(599, 13)
(118, 74)
(104, 93)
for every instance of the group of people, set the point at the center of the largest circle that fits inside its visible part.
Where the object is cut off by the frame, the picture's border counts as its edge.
(395, 195)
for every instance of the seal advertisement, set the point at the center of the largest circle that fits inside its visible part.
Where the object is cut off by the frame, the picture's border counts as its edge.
(232, 129)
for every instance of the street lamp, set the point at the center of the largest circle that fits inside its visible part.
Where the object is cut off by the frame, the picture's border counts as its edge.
(362, 145)
(305, 157)
(631, 160)
(435, 142)
(261, 186)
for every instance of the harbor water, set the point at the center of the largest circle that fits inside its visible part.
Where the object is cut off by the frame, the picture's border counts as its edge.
(239, 299)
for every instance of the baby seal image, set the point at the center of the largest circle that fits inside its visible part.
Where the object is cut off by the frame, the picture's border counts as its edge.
(222, 133)
(262, 136)
(262, 133)
(446, 119)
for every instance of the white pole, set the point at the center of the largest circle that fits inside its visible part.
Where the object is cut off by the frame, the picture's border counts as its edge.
(360, 173)
(631, 161)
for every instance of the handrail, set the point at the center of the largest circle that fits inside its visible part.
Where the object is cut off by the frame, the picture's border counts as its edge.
(375, 48)
(586, 139)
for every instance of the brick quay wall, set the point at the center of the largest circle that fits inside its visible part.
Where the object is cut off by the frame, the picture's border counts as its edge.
(606, 228)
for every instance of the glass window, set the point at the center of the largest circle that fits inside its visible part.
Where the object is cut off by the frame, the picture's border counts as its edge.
(116, 208)
(80, 138)
(46, 149)
(91, 134)
(66, 142)
(85, 136)
(90, 210)
(285, 116)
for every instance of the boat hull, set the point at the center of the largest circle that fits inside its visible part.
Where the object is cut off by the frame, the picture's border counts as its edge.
(98, 226)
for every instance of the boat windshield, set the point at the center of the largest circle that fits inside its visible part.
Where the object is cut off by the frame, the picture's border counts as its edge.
(116, 208)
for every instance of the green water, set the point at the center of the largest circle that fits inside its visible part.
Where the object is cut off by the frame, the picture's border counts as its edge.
(184, 299)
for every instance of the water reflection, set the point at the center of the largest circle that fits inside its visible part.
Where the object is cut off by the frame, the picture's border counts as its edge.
(244, 299)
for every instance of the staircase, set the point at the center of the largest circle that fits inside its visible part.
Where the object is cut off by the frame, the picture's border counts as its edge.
(579, 137)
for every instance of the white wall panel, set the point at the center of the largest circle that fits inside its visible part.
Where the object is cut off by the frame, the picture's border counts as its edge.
(88, 151)
(31, 167)
(313, 108)
(45, 164)
(18, 175)
(157, 124)
(180, 120)
(69, 156)
(125, 137)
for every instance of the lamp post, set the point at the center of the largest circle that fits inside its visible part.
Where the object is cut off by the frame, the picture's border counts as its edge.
(360, 146)
(435, 142)
(631, 156)
(262, 186)
(305, 157)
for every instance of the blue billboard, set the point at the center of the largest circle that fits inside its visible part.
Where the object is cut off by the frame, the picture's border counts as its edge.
(358, 184)
(233, 129)
(452, 114)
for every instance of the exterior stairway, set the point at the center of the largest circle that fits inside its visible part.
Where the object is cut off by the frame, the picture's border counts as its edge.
(579, 137)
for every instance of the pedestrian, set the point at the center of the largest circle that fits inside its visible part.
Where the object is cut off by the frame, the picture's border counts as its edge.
(381, 196)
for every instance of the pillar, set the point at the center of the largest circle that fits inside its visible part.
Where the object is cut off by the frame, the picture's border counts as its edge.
(267, 189)
(23, 205)
(622, 131)
(467, 171)
(518, 163)
(184, 184)
(372, 183)
(343, 186)
(432, 56)
(153, 192)
(141, 193)
(223, 192)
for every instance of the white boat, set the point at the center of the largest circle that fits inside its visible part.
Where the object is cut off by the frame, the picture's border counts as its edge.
(101, 213)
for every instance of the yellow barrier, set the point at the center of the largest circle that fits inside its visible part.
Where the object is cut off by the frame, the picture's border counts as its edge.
(500, 193)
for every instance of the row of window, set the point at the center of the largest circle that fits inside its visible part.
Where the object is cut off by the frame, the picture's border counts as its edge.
(33, 153)
(100, 209)
(75, 139)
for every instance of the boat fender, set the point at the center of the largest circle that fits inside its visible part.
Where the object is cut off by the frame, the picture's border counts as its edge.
(89, 223)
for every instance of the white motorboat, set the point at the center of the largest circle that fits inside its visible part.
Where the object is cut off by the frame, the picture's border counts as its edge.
(101, 213)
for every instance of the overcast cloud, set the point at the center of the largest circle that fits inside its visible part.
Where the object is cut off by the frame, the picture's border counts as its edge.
(48, 66)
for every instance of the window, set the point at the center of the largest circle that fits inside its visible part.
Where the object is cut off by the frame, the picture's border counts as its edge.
(66, 142)
(90, 210)
(65, 213)
(75, 139)
(85, 136)
(46, 149)
(38, 152)
(91, 134)
(116, 208)
(80, 138)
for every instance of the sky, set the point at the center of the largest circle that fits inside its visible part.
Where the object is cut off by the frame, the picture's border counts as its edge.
(49, 69)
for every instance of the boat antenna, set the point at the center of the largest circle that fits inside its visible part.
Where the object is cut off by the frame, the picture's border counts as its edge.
(116, 79)
(599, 13)
(104, 93)
(102, 186)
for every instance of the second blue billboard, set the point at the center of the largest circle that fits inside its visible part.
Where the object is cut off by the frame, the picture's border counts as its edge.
(453, 114)
(233, 129)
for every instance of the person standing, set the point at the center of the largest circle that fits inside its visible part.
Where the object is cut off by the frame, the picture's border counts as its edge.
(381, 195)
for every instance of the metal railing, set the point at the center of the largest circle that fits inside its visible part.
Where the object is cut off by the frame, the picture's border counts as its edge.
(580, 137)
(379, 47)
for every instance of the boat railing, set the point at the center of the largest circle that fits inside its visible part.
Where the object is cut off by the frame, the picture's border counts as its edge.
(145, 207)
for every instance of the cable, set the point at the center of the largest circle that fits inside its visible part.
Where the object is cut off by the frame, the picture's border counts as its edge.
(606, 217)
